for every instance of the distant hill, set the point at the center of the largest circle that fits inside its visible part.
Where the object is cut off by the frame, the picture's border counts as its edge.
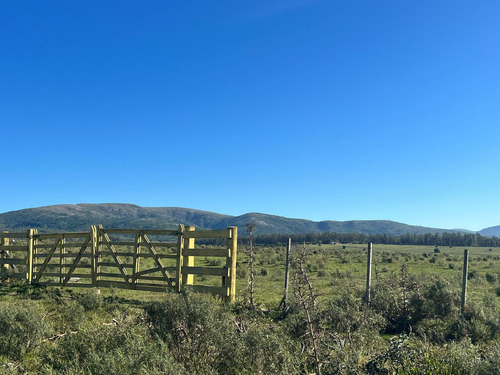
(491, 231)
(78, 217)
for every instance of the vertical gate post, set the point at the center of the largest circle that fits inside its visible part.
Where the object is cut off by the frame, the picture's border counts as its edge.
(96, 239)
(232, 244)
(93, 250)
(4, 241)
(180, 248)
(3, 253)
(61, 259)
(29, 261)
(369, 273)
(137, 259)
(188, 279)
(464, 281)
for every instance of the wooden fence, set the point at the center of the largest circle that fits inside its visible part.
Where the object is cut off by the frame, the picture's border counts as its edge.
(139, 259)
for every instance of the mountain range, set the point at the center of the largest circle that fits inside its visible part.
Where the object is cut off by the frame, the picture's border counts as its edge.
(79, 217)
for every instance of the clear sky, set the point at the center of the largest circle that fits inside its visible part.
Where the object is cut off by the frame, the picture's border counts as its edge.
(334, 109)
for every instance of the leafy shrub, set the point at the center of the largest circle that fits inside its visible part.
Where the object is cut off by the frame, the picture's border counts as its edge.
(241, 273)
(439, 300)
(90, 299)
(22, 326)
(68, 316)
(265, 349)
(490, 278)
(116, 349)
(214, 262)
(201, 335)
(194, 329)
(473, 274)
(480, 322)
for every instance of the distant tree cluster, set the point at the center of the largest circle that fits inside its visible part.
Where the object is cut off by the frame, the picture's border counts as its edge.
(429, 239)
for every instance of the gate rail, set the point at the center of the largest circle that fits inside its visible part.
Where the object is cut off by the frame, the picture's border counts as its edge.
(139, 259)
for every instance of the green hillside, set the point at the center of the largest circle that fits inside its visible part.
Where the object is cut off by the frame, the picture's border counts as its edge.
(117, 215)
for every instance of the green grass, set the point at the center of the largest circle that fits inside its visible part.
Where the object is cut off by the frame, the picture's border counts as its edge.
(106, 327)
(330, 264)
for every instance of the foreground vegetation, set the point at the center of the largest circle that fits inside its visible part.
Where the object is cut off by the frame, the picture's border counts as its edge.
(413, 325)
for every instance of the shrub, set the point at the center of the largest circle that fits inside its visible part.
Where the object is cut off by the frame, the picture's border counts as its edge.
(22, 326)
(90, 299)
(204, 338)
(241, 273)
(195, 330)
(264, 350)
(214, 262)
(117, 349)
(490, 278)
(472, 275)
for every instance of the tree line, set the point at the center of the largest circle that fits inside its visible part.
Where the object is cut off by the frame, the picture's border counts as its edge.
(428, 239)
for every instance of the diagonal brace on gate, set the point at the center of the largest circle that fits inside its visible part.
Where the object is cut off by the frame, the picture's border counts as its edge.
(118, 261)
(47, 259)
(75, 262)
(156, 258)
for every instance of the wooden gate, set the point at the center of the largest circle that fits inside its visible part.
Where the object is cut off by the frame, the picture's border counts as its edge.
(140, 259)
(62, 259)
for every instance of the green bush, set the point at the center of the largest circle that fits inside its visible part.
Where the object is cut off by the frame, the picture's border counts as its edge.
(90, 299)
(439, 299)
(203, 337)
(322, 273)
(241, 273)
(22, 327)
(490, 278)
(194, 328)
(117, 349)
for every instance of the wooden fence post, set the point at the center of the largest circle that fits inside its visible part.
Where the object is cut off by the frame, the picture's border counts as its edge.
(232, 244)
(464, 281)
(369, 273)
(137, 259)
(62, 251)
(4, 241)
(3, 253)
(97, 255)
(188, 279)
(29, 261)
(93, 250)
(180, 248)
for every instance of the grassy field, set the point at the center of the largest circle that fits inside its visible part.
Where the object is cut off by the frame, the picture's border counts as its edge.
(329, 264)
(413, 325)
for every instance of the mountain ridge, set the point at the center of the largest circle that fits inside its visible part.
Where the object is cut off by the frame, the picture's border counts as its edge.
(76, 217)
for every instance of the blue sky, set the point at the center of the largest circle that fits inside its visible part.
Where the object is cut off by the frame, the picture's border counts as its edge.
(339, 109)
